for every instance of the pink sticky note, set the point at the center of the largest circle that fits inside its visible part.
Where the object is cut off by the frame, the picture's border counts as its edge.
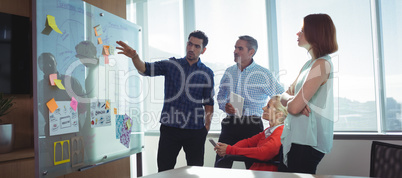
(74, 103)
(52, 77)
(106, 59)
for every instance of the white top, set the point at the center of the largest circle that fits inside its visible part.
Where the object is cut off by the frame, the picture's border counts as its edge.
(317, 129)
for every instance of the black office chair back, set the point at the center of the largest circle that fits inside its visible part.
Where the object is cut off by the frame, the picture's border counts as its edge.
(386, 160)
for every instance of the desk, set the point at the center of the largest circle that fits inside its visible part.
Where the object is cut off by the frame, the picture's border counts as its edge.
(209, 172)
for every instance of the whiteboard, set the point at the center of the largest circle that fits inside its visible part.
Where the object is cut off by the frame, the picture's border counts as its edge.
(96, 117)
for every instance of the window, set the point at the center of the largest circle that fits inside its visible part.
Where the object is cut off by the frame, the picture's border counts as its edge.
(391, 18)
(353, 63)
(223, 26)
(366, 66)
(162, 32)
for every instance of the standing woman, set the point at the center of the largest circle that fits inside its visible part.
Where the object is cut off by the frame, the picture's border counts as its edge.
(308, 130)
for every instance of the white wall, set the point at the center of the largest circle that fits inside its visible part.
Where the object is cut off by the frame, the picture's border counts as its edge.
(348, 157)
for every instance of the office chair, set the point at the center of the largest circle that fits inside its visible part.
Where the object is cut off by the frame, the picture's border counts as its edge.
(386, 160)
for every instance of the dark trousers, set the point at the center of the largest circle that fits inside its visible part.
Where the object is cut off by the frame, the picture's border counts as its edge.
(301, 159)
(171, 141)
(235, 129)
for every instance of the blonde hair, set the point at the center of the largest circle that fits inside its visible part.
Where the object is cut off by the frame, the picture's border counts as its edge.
(280, 108)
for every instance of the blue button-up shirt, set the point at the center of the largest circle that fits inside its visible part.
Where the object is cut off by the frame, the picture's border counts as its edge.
(255, 84)
(187, 89)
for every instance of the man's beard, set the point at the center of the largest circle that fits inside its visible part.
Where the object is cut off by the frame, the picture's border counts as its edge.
(193, 57)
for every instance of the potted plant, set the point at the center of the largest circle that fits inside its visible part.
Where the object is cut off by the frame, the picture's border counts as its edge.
(6, 130)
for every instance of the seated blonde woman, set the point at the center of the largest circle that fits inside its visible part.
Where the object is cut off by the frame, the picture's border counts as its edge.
(265, 145)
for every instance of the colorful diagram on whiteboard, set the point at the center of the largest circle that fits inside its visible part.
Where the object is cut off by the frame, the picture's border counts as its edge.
(63, 120)
(100, 113)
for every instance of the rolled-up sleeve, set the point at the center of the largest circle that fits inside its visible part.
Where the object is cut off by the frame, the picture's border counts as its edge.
(155, 68)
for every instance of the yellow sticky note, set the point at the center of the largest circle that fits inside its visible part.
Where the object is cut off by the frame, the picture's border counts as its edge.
(59, 84)
(107, 105)
(51, 21)
(100, 40)
(115, 110)
(52, 105)
(52, 77)
(98, 30)
(128, 123)
(105, 50)
(111, 49)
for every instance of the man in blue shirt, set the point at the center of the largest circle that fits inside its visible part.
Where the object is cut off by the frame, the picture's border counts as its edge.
(189, 89)
(255, 84)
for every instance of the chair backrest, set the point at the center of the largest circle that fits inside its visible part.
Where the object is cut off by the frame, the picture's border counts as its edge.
(386, 160)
